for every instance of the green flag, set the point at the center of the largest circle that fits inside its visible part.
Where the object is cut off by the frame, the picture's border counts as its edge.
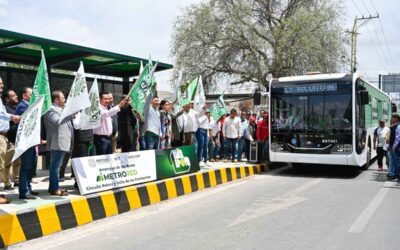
(188, 95)
(142, 88)
(41, 86)
(219, 109)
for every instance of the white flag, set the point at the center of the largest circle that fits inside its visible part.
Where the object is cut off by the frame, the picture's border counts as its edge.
(28, 133)
(90, 117)
(199, 97)
(78, 98)
(141, 68)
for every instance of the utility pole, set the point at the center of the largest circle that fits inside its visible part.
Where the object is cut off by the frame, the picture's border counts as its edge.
(354, 34)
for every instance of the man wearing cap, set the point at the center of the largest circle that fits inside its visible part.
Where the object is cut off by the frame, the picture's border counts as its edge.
(380, 144)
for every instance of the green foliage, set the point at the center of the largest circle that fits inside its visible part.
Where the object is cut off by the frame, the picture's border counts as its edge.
(248, 39)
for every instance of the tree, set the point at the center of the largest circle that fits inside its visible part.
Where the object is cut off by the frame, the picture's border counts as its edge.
(246, 40)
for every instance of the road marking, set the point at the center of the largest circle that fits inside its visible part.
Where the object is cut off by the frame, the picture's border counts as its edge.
(303, 188)
(263, 205)
(370, 210)
(55, 240)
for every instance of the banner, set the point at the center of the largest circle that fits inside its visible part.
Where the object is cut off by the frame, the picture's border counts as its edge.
(41, 86)
(28, 133)
(90, 117)
(219, 109)
(78, 97)
(141, 89)
(199, 97)
(104, 172)
(176, 161)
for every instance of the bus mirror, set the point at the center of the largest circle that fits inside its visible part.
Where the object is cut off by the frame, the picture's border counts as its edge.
(364, 97)
(394, 108)
(257, 98)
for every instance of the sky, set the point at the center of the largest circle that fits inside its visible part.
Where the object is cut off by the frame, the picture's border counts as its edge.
(139, 28)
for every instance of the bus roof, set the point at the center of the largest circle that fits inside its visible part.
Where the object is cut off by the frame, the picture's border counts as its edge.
(314, 77)
(332, 76)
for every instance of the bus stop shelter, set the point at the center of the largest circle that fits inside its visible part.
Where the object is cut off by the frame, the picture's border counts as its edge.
(20, 55)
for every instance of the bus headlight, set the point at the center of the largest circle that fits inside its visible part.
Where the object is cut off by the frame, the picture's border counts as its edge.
(277, 147)
(342, 149)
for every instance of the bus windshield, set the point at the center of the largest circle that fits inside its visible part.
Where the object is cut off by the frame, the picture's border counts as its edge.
(316, 113)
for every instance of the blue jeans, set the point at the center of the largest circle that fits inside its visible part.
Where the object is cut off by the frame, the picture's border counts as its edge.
(266, 150)
(202, 144)
(241, 144)
(231, 146)
(152, 141)
(103, 145)
(142, 143)
(392, 163)
(213, 148)
(56, 159)
(28, 160)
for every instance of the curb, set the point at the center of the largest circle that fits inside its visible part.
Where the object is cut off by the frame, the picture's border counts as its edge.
(48, 219)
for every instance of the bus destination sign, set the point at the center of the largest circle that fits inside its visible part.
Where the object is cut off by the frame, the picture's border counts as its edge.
(315, 88)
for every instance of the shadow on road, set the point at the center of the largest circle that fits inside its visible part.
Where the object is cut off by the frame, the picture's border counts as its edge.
(314, 171)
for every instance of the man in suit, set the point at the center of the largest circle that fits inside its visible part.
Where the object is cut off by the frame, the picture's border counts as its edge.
(29, 157)
(11, 99)
(59, 139)
(127, 129)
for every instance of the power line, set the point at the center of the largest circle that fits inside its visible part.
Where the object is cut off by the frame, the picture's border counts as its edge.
(383, 33)
(382, 57)
(354, 3)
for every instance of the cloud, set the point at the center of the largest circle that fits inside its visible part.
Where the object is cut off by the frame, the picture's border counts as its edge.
(72, 31)
(3, 8)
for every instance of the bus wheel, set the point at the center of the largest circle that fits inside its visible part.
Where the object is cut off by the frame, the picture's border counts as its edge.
(366, 166)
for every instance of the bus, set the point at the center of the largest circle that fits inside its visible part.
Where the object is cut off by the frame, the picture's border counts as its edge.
(325, 119)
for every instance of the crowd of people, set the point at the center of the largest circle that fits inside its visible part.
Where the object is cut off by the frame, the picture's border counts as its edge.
(163, 125)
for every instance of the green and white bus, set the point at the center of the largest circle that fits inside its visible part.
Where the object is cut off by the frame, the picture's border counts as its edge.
(325, 119)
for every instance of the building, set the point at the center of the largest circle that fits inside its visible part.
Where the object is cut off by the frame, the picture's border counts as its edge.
(391, 85)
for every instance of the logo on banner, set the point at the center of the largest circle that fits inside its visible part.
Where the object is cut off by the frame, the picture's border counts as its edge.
(181, 163)
(31, 123)
(79, 87)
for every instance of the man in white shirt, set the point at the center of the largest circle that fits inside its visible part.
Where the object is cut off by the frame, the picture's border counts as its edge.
(102, 134)
(214, 142)
(231, 131)
(380, 144)
(202, 136)
(190, 124)
(153, 125)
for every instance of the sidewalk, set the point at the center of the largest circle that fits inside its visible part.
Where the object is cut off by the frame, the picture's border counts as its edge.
(23, 220)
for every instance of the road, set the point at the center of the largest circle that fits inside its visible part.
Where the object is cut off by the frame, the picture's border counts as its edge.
(286, 208)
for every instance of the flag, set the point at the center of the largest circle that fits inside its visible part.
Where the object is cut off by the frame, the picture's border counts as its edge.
(90, 117)
(219, 109)
(177, 87)
(41, 86)
(199, 97)
(141, 67)
(187, 96)
(28, 133)
(78, 97)
(142, 88)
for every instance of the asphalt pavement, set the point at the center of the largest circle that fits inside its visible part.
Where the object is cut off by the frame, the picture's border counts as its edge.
(315, 207)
